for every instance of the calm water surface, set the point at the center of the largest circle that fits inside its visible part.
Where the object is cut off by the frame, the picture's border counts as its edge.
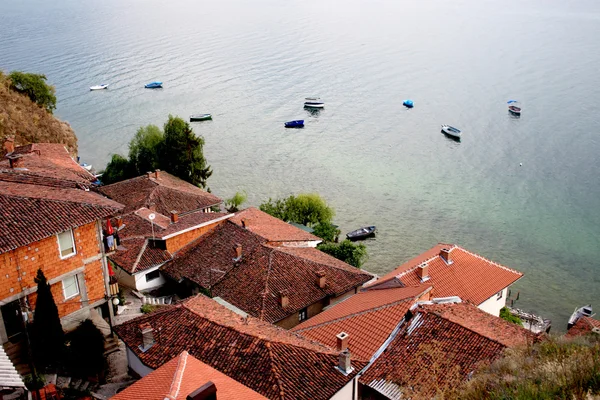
(251, 64)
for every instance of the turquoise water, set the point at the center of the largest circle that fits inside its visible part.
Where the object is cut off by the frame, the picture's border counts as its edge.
(251, 65)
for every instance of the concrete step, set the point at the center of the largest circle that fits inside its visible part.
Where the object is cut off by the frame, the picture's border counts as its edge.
(50, 378)
(75, 385)
(84, 386)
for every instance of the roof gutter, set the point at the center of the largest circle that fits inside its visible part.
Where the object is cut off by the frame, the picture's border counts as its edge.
(212, 221)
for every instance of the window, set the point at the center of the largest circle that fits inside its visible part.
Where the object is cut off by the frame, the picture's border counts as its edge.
(66, 244)
(150, 276)
(70, 287)
(303, 314)
(499, 295)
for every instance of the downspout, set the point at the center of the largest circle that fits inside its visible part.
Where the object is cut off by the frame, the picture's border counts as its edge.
(111, 314)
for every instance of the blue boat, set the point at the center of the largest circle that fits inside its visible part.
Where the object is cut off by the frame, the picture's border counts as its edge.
(295, 124)
(408, 103)
(153, 85)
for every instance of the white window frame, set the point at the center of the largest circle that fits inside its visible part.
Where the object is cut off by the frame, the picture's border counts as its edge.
(151, 272)
(500, 295)
(76, 280)
(72, 240)
(305, 312)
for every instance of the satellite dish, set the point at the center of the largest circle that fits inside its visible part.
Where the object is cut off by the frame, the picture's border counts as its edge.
(151, 217)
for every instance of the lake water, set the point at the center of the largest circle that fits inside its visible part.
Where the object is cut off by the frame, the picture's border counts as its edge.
(251, 64)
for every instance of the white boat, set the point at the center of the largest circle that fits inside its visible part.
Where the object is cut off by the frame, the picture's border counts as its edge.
(585, 311)
(313, 102)
(87, 167)
(451, 131)
(99, 87)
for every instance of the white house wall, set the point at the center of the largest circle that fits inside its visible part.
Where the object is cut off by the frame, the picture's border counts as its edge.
(140, 280)
(136, 364)
(345, 393)
(493, 304)
(124, 278)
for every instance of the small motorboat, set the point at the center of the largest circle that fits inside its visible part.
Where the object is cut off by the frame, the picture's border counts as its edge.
(362, 233)
(514, 107)
(585, 311)
(200, 117)
(99, 87)
(408, 103)
(153, 85)
(87, 167)
(451, 131)
(313, 102)
(295, 124)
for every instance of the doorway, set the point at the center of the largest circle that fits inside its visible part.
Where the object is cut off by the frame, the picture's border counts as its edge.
(13, 320)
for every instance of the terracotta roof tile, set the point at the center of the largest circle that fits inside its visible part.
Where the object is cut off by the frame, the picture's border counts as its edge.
(368, 317)
(29, 213)
(470, 276)
(271, 361)
(180, 377)
(167, 193)
(583, 326)
(137, 254)
(271, 228)
(253, 283)
(437, 349)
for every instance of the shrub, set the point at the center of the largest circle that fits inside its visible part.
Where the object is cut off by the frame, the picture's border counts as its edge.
(86, 350)
(506, 315)
(148, 308)
(34, 382)
(35, 87)
(353, 254)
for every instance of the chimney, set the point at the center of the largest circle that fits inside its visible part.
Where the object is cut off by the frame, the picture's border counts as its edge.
(342, 341)
(152, 206)
(238, 252)
(422, 272)
(119, 223)
(244, 222)
(15, 161)
(445, 255)
(344, 362)
(284, 299)
(321, 279)
(9, 144)
(156, 173)
(174, 216)
(149, 175)
(147, 336)
(208, 391)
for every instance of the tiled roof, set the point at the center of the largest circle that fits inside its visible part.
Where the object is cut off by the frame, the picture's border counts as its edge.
(46, 160)
(470, 276)
(9, 377)
(29, 213)
(271, 361)
(253, 283)
(180, 377)
(271, 228)
(583, 326)
(167, 193)
(368, 317)
(137, 254)
(431, 351)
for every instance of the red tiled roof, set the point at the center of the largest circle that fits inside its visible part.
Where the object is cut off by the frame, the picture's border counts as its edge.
(46, 160)
(470, 276)
(583, 326)
(271, 361)
(368, 317)
(136, 255)
(437, 349)
(271, 228)
(29, 213)
(180, 377)
(167, 193)
(253, 283)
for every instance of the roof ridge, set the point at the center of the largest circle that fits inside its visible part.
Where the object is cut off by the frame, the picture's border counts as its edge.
(139, 256)
(178, 376)
(57, 200)
(325, 323)
(490, 261)
(275, 371)
(413, 268)
(264, 294)
(278, 248)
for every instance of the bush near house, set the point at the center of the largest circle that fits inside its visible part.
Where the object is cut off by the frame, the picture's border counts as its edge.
(86, 350)
(507, 316)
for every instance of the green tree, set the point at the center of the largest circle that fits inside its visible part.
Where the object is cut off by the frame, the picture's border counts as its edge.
(47, 335)
(145, 149)
(87, 350)
(118, 169)
(276, 208)
(35, 87)
(351, 253)
(306, 208)
(326, 231)
(183, 153)
(236, 201)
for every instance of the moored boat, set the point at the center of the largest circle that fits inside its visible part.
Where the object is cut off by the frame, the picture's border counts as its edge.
(153, 85)
(295, 124)
(408, 103)
(99, 87)
(362, 233)
(514, 107)
(200, 117)
(87, 167)
(451, 131)
(313, 102)
(585, 311)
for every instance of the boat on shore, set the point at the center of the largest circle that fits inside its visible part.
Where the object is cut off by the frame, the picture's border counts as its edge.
(200, 117)
(451, 131)
(362, 233)
(313, 102)
(295, 124)
(514, 107)
(153, 85)
(585, 311)
(99, 87)
(532, 322)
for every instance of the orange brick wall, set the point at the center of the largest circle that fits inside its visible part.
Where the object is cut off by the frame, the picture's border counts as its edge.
(177, 242)
(25, 261)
